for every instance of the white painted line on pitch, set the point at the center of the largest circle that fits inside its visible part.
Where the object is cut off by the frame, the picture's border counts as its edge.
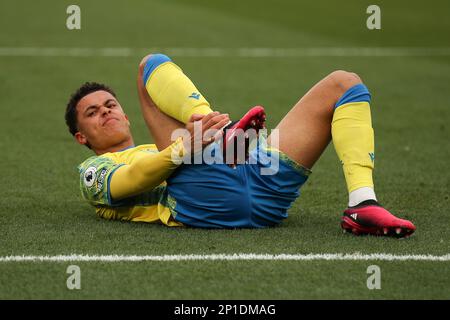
(228, 52)
(227, 257)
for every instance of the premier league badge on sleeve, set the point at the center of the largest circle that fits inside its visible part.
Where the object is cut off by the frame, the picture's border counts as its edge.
(89, 176)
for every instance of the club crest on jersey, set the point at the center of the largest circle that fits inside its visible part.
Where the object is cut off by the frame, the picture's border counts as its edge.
(195, 95)
(89, 176)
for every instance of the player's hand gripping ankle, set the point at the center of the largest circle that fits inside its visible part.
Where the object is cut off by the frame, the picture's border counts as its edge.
(203, 130)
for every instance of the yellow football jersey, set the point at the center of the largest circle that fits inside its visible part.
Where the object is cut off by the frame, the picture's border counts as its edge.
(95, 176)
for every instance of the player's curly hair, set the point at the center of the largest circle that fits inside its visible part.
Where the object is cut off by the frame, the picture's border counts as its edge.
(71, 109)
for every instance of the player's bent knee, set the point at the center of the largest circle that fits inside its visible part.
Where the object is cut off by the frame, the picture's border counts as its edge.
(342, 76)
(144, 61)
(343, 80)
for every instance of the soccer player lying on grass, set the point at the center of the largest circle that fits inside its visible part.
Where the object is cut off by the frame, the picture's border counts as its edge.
(148, 183)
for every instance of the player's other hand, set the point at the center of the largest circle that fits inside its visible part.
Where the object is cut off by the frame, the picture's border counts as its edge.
(204, 129)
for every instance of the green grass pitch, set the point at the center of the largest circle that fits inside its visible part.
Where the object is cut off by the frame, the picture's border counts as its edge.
(41, 211)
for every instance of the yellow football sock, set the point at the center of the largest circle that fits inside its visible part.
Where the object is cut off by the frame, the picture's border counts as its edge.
(353, 137)
(171, 90)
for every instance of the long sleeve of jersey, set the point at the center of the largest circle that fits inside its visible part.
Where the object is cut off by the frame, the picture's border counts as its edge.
(146, 172)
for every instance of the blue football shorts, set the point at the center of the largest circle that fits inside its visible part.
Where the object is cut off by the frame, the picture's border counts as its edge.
(218, 196)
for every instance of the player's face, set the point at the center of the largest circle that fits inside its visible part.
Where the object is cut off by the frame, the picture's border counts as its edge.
(101, 121)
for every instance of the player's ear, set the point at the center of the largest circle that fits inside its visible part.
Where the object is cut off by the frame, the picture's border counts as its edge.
(81, 138)
(126, 118)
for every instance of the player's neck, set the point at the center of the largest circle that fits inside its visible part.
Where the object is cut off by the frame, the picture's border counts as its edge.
(118, 147)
